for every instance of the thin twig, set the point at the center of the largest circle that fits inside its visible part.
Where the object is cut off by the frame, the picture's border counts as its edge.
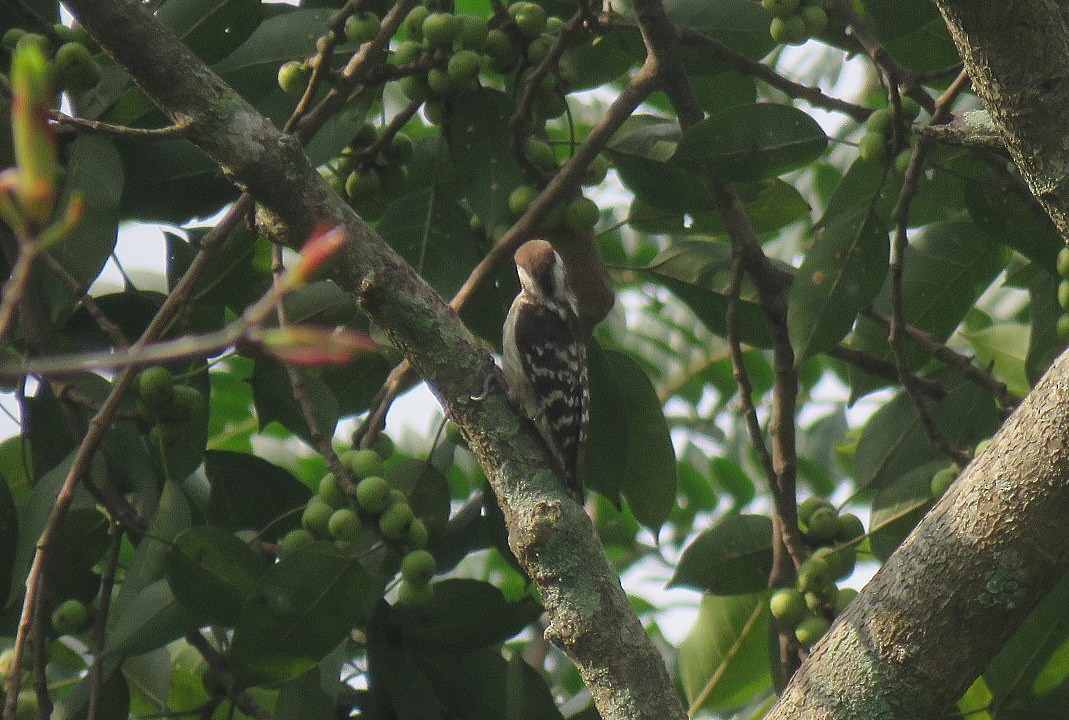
(218, 663)
(963, 364)
(745, 387)
(886, 370)
(187, 346)
(81, 294)
(356, 71)
(788, 552)
(100, 623)
(564, 182)
(745, 66)
(179, 129)
(726, 661)
(898, 75)
(15, 288)
(389, 132)
(520, 120)
(900, 217)
(32, 607)
(771, 288)
(302, 395)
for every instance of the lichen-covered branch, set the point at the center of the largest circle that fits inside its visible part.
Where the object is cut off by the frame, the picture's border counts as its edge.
(959, 586)
(549, 533)
(1016, 55)
(965, 579)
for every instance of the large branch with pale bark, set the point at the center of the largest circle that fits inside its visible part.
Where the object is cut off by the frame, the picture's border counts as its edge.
(963, 582)
(551, 535)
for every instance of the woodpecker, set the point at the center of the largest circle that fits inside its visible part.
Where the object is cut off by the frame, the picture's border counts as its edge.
(545, 358)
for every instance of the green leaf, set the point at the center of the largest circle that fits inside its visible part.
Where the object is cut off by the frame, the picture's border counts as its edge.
(131, 466)
(1044, 345)
(640, 154)
(172, 516)
(894, 441)
(770, 205)
(591, 65)
(529, 698)
(184, 455)
(303, 697)
(16, 468)
(79, 545)
(150, 675)
(304, 606)
(734, 557)
(841, 273)
(465, 532)
(113, 700)
(723, 661)
(479, 146)
(240, 274)
(289, 35)
(740, 24)
(927, 46)
(399, 681)
(228, 426)
(212, 572)
(336, 133)
(355, 384)
(947, 266)
(728, 475)
(464, 615)
(9, 535)
(50, 433)
(723, 89)
(248, 492)
(661, 185)
(846, 266)
(1004, 347)
(428, 495)
(150, 619)
(95, 174)
(211, 28)
(859, 193)
(469, 686)
(1006, 217)
(431, 232)
(34, 516)
(699, 273)
(898, 508)
(977, 701)
(608, 432)
(695, 486)
(130, 311)
(273, 396)
(645, 459)
(169, 180)
(322, 302)
(1035, 661)
(751, 142)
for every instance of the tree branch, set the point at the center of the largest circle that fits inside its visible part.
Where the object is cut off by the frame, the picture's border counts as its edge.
(966, 578)
(32, 603)
(1016, 55)
(745, 66)
(959, 586)
(551, 535)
